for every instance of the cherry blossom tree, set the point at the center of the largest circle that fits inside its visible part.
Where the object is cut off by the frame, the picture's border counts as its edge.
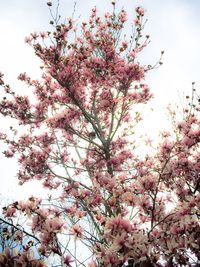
(110, 205)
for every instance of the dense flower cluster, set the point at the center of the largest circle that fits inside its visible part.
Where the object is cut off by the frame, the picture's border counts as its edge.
(17, 246)
(125, 209)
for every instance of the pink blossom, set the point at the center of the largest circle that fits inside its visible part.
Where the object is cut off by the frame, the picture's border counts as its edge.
(28, 39)
(77, 231)
(68, 260)
(123, 16)
(140, 11)
(10, 211)
(114, 225)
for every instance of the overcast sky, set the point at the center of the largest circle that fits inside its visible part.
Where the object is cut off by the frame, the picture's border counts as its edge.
(174, 26)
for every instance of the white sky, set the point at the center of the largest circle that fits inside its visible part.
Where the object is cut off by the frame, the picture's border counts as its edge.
(174, 26)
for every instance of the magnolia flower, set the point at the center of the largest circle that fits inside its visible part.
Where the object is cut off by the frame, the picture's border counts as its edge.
(77, 231)
(116, 224)
(28, 39)
(9, 211)
(68, 260)
(140, 11)
(54, 224)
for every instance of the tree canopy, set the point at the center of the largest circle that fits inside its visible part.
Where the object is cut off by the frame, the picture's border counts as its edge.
(110, 205)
